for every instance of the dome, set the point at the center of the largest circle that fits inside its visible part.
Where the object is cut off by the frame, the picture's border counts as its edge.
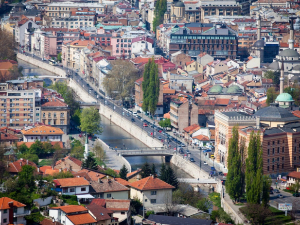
(179, 4)
(289, 53)
(216, 89)
(233, 89)
(274, 113)
(259, 43)
(284, 97)
(274, 66)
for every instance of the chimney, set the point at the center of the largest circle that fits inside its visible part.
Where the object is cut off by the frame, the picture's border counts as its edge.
(11, 213)
(291, 40)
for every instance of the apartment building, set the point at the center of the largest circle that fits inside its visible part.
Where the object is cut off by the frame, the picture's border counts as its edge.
(73, 22)
(20, 108)
(55, 113)
(183, 114)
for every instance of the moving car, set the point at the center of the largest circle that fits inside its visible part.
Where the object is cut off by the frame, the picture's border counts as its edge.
(280, 196)
(192, 159)
(296, 195)
(145, 125)
(204, 162)
(132, 120)
(188, 152)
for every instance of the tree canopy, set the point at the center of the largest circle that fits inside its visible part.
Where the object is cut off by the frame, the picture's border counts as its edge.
(90, 163)
(123, 172)
(146, 170)
(160, 9)
(8, 44)
(271, 95)
(165, 123)
(90, 121)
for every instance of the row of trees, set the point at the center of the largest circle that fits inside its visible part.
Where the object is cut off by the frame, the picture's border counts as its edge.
(247, 173)
(160, 9)
(150, 87)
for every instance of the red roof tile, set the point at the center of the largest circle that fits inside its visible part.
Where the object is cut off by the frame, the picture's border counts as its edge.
(16, 167)
(84, 218)
(100, 212)
(151, 183)
(190, 128)
(71, 182)
(76, 161)
(132, 174)
(122, 181)
(71, 208)
(4, 203)
(201, 138)
(50, 222)
(54, 102)
(294, 174)
(28, 144)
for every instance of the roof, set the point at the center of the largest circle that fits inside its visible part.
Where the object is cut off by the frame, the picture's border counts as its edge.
(71, 208)
(190, 128)
(93, 175)
(99, 212)
(259, 43)
(84, 218)
(107, 185)
(71, 182)
(274, 66)
(54, 102)
(289, 53)
(294, 174)
(76, 161)
(216, 89)
(28, 144)
(117, 205)
(284, 97)
(296, 113)
(98, 201)
(49, 222)
(172, 220)
(4, 203)
(201, 137)
(132, 174)
(16, 167)
(43, 130)
(179, 4)
(122, 181)
(151, 183)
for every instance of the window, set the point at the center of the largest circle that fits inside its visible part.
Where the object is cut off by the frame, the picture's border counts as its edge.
(282, 149)
(268, 151)
(282, 158)
(4, 220)
(273, 142)
(153, 201)
(273, 151)
(278, 150)
(278, 142)
(122, 213)
(83, 189)
(153, 192)
(5, 211)
(268, 168)
(268, 143)
(72, 189)
(108, 195)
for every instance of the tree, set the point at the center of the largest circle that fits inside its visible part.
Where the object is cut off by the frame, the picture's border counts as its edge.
(23, 148)
(37, 148)
(159, 11)
(266, 184)
(254, 171)
(119, 82)
(26, 178)
(31, 157)
(171, 177)
(123, 172)
(296, 186)
(153, 169)
(146, 171)
(294, 91)
(77, 152)
(12, 74)
(165, 123)
(234, 177)
(274, 75)
(90, 163)
(162, 172)
(256, 212)
(271, 95)
(76, 116)
(99, 152)
(90, 121)
(59, 57)
(8, 45)
(204, 204)
(150, 87)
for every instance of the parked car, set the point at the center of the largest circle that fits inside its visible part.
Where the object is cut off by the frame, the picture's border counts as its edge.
(145, 125)
(192, 159)
(134, 113)
(138, 117)
(296, 195)
(277, 191)
(204, 162)
(132, 120)
(159, 138)
(221, 174)
(188, 152)
(181, 151)
(138, 111)
(280, 196)
(271, 192)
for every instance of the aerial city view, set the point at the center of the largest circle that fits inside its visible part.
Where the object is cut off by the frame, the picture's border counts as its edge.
(149, 112)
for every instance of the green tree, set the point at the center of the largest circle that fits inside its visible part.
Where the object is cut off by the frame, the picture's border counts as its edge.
(254, 171)
(271, 95)
(77, 152)
(63, 174)
(59, 57)
(274, 75)
(123, 172)
(171, 177)
(26, 178)
(204, 204)
(23, 148)
(8, 44)
(37, 148)
(159, 11)
(48, 148)
(162, 173)
(90, 121)
(76, 116)
(146, 171)
(153, 169)
(90, 163)
(31, 157)
(294, 91)
(99, 153)
(266, 184)
(165, 123)
(234, 182)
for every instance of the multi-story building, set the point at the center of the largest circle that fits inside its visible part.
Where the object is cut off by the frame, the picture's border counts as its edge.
(20, 108)
(183, 114)
(12, 212)
(73, 22)
(42, 133)
(220, 42)
(21, 28)
(56, 113)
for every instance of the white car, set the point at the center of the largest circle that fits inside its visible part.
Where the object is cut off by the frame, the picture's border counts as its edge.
(134, 113)
(205, 163)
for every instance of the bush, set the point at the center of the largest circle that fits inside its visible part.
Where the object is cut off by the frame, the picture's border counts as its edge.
(70, 199)
(148, 213)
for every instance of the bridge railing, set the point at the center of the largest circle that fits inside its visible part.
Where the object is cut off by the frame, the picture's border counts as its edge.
(145, 152)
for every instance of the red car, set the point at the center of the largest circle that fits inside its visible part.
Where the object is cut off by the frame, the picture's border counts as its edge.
(80, 135)
(145, 125)
(160, 131)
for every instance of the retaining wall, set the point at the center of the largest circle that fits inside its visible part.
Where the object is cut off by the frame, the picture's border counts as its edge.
(129, 127)
(236, 216)
(46, 66)
(82, 94)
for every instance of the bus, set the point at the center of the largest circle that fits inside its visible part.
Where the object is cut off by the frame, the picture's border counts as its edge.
(52, 62)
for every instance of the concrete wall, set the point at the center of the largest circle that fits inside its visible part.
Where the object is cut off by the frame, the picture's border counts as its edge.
(129, 127)
(82, 94)
(46, 66)
(237, 217)
(43, 202)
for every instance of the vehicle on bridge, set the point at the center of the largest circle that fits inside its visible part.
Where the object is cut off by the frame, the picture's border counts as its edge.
(52, 62)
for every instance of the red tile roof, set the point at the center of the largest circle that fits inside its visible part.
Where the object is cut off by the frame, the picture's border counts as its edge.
(296, 113)
(117, 205)
(95, 176)
(28, 144)
(201, 138)
(100, 212)
(4, 203)
(84, 218)
(71, 208)
(122, 181)
(98, 201)
(16, 167)
(188, 63)
(76, 161)
(44, 130)
(190, 128)
(132, 174)
(71, 182)
(151, 183)
(107, 185)
(54, 102)
(49, 222)
(294, 174)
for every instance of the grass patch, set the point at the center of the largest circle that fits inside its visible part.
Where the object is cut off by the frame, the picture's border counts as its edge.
(215, 198)
(289, 191)
(45, 162)
(70, 199)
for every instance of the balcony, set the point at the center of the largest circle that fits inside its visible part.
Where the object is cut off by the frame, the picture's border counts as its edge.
(25, 213)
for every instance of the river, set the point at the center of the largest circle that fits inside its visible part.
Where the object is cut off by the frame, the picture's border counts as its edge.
(112, 134)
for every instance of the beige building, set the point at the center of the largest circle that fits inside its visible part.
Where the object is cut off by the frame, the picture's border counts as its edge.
(69, 163)
(183, 114)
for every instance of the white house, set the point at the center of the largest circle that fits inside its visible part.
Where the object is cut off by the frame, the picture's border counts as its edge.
(102, 67)
(21, 28)
(17, 209)
(71, 214)
(201, 137)
(151, 191)
(72, 186)
(142, 46)
(42, 133)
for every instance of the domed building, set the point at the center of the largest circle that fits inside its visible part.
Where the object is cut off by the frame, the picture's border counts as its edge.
(285, 100)
(177, 11)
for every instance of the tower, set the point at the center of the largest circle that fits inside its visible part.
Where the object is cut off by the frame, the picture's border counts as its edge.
(258, 28)
(291, 40)
(166, 17)
(86, 147)
(281, 77)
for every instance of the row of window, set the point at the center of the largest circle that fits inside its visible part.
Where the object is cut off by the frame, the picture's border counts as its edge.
(124, 40)
(54, 114)
(278, 150)
(125, 45)
(273, 167)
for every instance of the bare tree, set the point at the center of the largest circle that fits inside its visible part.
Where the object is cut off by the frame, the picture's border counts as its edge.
(8, 44)
(99, 151)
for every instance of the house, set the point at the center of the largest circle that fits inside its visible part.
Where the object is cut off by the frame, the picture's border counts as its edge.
(172, 220)
(204, 58)
(134, 176)
(72, 214)
(16, 167)
(12, 212)
(151, 190)
(70, 163)
(142, 45)
(102, 215)
(72, 186)
(8, 137)
(188, 131)
(49, 222)
(108, 189)
(120, 208)
(180, 59)
(193, 66)
(42, 133)
(123, 182)
(292, 177)
(89, 175)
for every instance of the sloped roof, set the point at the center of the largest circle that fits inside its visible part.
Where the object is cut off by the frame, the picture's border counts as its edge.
(71, 182)
(294, 174)
(201, 137)
(117, 205)
(93, 175)
(190, 128)
(107, 185)
(16, 167)
(76, 161)
(43, 130)
(84, 218)
(49, 222)
(28, 144)
(71, 208)
(54, 102)
(151, 183)
(132, 174)
(99, 212)
(4, 203)
(122, 181)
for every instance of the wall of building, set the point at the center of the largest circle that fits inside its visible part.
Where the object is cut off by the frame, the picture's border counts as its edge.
(53, 69)
(162, 196)
(43, 201)
(117, 195)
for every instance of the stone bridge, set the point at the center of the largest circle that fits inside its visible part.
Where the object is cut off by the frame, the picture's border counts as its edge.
(151, 152)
